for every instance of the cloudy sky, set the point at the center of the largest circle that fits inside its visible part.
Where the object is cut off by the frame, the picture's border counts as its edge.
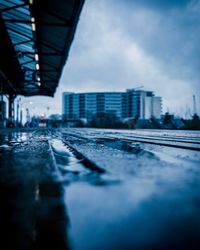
(122, 44)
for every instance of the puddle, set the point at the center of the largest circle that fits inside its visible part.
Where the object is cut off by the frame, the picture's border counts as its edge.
(65, 159)
(130, 147)
(75, 168)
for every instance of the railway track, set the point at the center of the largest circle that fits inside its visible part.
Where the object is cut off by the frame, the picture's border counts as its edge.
(60, 156)
(167, 141)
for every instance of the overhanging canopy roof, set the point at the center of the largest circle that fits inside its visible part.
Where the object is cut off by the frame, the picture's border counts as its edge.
(35, 40)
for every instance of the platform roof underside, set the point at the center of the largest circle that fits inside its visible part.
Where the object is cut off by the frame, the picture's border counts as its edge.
(35, 38)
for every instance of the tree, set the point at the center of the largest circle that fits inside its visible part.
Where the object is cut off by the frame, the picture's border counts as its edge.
(106, 120)
(155, 123)
(193, 124)
(168, 121)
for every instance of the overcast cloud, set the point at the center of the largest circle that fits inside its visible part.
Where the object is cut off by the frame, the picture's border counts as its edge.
(122, 44)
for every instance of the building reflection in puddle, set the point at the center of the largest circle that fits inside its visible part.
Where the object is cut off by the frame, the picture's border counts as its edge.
(33, 214)
(51, 217)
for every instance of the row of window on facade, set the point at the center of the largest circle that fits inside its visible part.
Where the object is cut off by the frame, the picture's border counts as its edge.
(129, 104)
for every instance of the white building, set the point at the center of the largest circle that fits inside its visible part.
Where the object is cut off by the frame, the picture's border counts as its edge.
(157, 107)
(129, 104)
(143, 104)
(153, 107)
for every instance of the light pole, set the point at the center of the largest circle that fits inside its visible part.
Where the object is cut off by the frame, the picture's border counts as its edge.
(21, 110)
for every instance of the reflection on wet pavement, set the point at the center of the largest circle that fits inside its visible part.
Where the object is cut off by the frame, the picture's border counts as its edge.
(51, 199)
(135, 216)
(33, 214)
(74, 167)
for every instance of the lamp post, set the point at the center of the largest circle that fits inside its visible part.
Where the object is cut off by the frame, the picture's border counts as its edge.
(21, 110)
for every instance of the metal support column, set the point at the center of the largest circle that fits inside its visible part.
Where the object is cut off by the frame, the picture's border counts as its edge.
(1, 92)
(11, 107)
(2, 108)
(18, 102)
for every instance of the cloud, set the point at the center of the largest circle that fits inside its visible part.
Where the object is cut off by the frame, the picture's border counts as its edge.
(125, 44)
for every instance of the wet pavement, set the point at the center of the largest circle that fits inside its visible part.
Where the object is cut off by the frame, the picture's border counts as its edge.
(33, 213)
(61, 190)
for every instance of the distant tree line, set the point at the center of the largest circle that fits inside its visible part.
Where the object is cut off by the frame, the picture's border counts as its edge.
(106, 120)
(193, 124)
(168, 121)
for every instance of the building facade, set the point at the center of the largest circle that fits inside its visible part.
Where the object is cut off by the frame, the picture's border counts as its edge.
(130, 104)
(143, 104)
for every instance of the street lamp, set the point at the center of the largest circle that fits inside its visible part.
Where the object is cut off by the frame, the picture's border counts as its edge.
(41, 113)
(41, 110)
(21, 109)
